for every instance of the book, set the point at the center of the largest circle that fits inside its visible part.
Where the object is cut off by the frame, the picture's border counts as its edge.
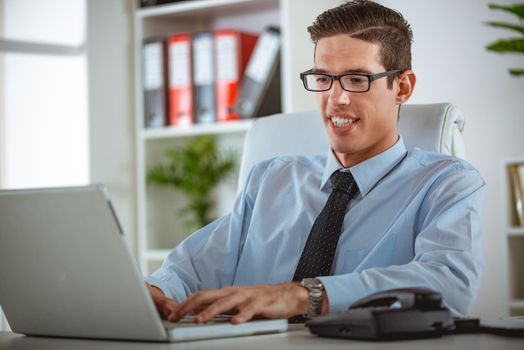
(203, 64)
(260, 88)
(180, 80)
(154, 63)
(233, 49)
(516, 180)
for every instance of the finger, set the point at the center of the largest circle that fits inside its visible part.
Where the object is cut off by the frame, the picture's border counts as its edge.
(200, 308)
(163, 304)
(167, 307)
(196, 301)
(246, 313)
(220, 306)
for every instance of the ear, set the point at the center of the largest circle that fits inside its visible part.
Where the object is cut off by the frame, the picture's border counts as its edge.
(406, 85)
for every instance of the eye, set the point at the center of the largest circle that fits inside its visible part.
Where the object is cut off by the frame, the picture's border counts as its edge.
(322, 79)
(356, 79)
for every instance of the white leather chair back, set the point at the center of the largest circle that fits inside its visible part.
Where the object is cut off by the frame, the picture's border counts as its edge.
(432, 127)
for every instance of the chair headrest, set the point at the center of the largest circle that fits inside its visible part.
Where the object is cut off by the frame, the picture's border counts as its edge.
(431, 127)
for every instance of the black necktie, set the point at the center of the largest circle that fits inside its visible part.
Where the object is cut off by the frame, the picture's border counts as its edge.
(319, 251)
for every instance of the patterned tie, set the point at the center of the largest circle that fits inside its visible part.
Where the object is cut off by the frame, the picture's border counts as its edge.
(319, 251)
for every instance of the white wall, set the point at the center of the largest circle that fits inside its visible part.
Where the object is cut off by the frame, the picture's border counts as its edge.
(452, 65)
(111, 112)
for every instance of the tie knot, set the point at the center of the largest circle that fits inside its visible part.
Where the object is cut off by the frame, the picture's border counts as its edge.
(344, 181)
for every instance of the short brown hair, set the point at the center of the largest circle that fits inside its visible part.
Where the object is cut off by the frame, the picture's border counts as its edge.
(369, 21)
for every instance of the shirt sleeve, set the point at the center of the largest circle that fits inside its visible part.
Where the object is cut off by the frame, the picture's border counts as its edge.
(208, 258)
(448, 249)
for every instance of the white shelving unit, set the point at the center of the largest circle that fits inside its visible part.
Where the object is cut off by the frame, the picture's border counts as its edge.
(195, 130)
(158, 228)
(515, 244)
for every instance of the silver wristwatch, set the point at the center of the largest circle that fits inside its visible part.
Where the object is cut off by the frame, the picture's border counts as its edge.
(316, 296)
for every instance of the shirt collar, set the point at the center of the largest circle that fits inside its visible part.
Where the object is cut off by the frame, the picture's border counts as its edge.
(368, 172)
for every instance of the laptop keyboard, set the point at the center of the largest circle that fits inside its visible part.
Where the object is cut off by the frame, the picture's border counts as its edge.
(187, 321)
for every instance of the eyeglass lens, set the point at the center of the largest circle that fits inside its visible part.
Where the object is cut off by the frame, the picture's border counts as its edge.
(350, 82)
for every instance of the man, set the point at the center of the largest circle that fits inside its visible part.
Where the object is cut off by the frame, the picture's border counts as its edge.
(412, 220)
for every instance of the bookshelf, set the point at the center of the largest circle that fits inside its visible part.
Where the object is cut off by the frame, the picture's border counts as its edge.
(159, 229)
(515, 244)
(196, 130)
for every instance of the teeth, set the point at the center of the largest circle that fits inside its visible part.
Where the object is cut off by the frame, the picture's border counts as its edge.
(337, 121)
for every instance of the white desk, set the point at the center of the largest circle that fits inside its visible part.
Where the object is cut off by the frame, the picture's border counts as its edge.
(296, 338)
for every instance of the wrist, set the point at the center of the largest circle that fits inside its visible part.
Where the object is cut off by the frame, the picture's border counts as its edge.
(302, 297)
(325, 303)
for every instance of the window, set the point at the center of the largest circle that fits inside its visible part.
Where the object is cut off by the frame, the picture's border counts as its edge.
(43, 93)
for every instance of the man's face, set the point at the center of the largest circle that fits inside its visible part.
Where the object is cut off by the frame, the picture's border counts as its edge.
(372, 114)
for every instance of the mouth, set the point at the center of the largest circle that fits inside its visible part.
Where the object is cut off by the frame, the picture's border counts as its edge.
(342, 121)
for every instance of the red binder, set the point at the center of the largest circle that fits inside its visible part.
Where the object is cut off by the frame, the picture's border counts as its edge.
(180, 81)
(232, 51)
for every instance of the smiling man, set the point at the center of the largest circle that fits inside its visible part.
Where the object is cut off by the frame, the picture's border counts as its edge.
(310, 235)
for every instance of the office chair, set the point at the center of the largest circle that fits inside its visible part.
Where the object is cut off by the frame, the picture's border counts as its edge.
(432, 127)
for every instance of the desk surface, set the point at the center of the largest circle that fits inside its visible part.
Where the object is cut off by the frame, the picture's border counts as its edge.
(295, 338)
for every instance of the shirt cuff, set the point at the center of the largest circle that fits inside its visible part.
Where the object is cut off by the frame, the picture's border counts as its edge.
(342, 291)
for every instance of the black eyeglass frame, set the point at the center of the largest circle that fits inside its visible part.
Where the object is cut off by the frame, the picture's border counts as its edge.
(370, 77)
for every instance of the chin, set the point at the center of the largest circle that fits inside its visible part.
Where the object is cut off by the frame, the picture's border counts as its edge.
(343, 149)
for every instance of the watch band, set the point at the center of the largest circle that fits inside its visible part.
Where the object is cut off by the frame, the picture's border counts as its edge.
(316, 296)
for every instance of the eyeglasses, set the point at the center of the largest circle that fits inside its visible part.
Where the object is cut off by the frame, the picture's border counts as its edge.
(352, 82)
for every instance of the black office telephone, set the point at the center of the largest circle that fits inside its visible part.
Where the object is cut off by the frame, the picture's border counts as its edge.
(404, 313)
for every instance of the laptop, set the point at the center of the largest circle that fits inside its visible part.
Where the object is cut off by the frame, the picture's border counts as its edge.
(66, 270)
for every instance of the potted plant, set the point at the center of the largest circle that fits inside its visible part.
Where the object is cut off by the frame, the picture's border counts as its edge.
(510, 45)
(195, 169)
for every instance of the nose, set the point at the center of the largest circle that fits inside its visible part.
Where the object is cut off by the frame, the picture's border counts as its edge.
(337, 95)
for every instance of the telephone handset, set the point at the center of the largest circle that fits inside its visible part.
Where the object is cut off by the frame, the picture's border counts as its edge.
(403, 298)
(403, 313)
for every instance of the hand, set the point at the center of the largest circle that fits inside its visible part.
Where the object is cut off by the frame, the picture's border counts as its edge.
(266, 301)
(164, 305)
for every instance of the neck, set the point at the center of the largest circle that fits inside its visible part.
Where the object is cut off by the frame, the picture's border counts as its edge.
(348, 160)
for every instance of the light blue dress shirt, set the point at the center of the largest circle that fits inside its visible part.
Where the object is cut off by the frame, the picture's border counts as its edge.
(415, 223)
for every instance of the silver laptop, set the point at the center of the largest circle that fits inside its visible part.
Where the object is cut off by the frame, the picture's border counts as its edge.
(66, 270)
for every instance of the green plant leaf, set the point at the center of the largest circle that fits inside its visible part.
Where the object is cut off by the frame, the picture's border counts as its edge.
(514, 45)
(514, 27)
(516, 9)
(516, 72)
(195, 169)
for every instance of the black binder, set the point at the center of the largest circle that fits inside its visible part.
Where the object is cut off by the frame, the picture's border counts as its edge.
(147, 3)
(260, 92)
(154, 82)
(204, 105)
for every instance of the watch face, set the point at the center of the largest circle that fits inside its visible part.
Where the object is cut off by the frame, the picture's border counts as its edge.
(312, 283)
(318, 283)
